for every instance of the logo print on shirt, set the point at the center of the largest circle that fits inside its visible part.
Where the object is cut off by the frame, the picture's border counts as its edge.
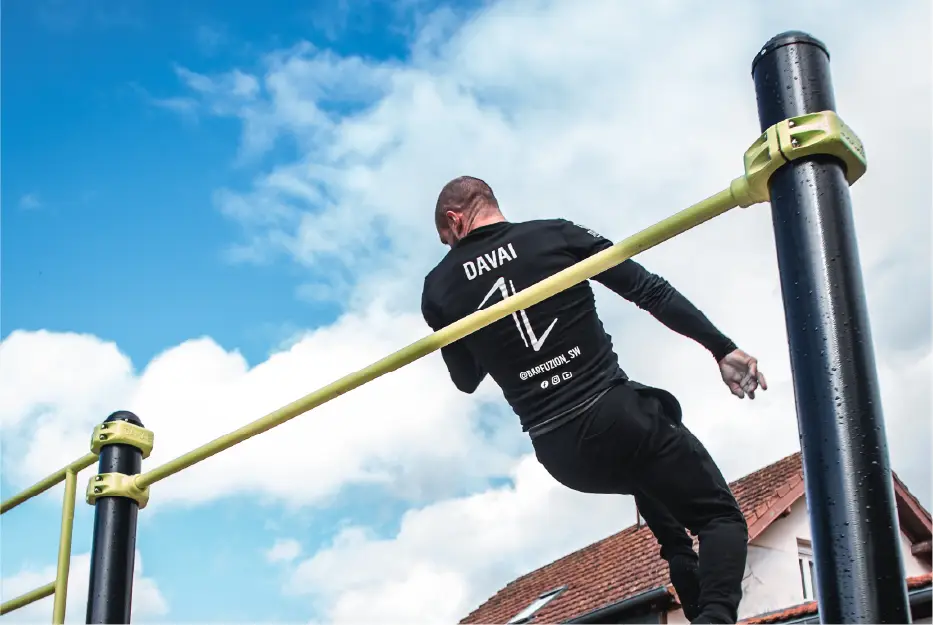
(535, 342)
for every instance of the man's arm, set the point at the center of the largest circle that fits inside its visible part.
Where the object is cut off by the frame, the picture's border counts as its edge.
(465, 372)
(649, 292)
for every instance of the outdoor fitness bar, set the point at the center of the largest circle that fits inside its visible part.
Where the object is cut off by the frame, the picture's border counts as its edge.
(803, 162)
(850, 492)
(122, 442)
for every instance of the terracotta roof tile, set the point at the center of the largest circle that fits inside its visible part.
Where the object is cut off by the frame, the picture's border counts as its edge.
(810, 607)
(919, 581)
(628, 563)
(624, 564)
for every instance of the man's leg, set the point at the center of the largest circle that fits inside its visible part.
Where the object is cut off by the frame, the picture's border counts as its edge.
(676, 550)
(627, 444)
(682, 476)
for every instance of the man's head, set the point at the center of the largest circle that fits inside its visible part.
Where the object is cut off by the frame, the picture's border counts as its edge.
(463, 204)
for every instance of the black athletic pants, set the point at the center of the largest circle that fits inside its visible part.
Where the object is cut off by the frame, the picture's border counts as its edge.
(632, 442)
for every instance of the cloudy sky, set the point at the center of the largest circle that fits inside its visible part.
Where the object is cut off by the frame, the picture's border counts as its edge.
(212, 209)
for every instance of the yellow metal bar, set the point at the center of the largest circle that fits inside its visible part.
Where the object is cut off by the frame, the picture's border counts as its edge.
(64, 547)
(43, 485)
(30, 597)
(583, 270)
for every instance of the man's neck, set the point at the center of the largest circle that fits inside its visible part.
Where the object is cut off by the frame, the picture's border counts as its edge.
(486, 220)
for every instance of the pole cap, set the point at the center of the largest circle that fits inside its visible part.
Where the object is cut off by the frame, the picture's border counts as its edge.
(788, 38)
(124, 415)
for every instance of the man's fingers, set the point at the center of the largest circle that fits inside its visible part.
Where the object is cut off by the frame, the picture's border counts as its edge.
(757, 378)
(743, 377)
(736, 390)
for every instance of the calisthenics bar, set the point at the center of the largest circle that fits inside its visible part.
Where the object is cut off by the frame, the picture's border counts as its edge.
(785, 141)
(802, 163)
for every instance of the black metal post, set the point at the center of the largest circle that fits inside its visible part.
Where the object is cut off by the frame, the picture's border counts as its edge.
(850, 493)
(110, 591)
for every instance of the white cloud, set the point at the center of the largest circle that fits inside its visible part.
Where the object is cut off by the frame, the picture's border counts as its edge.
(284, 550)
(182, 106)
(408, 431)
(448, 555)
(651, 114)
(29, 201)
(583, 131)
(148, 601)
(615, 117)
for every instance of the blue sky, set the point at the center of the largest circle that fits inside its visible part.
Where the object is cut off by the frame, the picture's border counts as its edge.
(109, 225)
(109, 228)
(211, 208)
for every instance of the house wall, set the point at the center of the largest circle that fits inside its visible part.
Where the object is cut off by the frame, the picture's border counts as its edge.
(772, 574)
(676, 617)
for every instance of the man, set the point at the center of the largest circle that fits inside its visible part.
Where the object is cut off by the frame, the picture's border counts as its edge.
(592, 428)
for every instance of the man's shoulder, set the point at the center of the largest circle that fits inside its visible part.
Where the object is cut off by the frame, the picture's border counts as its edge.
(452, 258)
(430, 278)
(438, 268)
(544, 222)
(436, 275)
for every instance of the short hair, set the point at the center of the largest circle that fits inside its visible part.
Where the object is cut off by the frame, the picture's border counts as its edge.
(465, 194)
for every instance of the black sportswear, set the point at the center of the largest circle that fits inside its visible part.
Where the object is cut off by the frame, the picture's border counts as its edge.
(555, 359)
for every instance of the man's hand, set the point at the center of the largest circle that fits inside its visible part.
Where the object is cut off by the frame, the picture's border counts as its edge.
(740, 373)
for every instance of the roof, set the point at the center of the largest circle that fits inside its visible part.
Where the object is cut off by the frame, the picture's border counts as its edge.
(914, 518)
(628, 563)
(810, 608)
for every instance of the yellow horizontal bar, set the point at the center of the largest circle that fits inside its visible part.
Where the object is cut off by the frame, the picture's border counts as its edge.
(583, 270)
(43, 485)
(30, 597)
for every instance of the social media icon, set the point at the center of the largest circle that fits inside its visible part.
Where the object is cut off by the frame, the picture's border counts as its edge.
(567, 375)
(544, 384)
(555, 379)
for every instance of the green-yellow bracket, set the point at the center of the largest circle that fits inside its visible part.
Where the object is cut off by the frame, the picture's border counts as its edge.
(116, 485)
(122, 432)
(792, 139)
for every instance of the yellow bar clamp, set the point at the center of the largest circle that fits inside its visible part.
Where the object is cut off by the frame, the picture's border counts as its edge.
(819, 133)
(116, 485)
(122, 432)
(792, 139)
(823, 133)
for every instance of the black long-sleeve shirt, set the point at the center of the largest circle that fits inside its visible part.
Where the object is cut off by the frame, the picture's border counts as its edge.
(552, 358)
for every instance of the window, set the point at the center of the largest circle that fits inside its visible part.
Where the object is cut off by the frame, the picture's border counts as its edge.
(525, 615)
(807, 570)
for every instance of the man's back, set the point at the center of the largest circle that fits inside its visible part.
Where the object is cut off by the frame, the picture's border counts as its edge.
(556, 366)
(547, 359)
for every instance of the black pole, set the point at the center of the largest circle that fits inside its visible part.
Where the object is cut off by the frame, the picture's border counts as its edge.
(110, 591)
(850, 493)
